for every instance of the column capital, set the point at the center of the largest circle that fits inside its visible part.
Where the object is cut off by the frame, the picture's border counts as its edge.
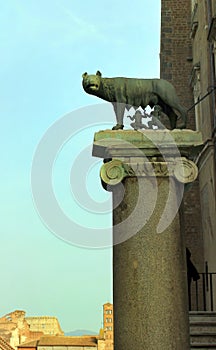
(182, 169)
(159, 153)
(114, 171)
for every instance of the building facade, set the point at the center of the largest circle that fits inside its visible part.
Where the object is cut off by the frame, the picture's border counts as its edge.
(203, 83)
(46, 324)
(16, 329)
(188, 61)
(108, 325)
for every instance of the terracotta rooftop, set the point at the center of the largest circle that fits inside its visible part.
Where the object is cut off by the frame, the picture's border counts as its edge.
(62, 341)
(4, 345)
(40, 317)
(29, 344)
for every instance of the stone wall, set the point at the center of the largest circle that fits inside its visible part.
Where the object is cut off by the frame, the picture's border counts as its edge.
(14, 328)
(45, 324)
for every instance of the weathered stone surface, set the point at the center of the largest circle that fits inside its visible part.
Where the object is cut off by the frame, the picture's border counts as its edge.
(149, 265)
(114, 171)
(130, 142)
(150, 293)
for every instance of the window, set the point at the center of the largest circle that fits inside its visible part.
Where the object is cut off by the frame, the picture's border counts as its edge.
(194, 19)
(195, 84)
(194, 5)
(213, 8)
(109, 312)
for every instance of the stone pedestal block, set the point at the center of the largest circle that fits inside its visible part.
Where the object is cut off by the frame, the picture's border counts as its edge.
(147, 172)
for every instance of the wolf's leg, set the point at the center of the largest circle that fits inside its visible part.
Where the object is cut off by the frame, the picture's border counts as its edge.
(183, 113)
(119, 109)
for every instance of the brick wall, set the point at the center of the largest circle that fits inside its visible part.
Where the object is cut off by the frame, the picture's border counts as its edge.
(176, 67)
(176, 49)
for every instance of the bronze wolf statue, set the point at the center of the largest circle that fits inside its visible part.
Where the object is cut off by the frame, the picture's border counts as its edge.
(127, 92)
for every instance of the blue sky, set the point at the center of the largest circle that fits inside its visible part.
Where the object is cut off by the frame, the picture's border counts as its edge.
(45, 48)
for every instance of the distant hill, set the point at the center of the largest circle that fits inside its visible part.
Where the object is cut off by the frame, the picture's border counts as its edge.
(78, 332)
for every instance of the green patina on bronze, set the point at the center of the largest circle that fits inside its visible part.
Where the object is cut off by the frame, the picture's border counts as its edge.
(127, 92)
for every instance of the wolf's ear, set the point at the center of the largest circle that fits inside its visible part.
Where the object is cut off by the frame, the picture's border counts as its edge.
(99, 73)
(84, 74)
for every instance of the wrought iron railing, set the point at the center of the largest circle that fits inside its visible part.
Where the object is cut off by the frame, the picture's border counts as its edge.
(202, 293)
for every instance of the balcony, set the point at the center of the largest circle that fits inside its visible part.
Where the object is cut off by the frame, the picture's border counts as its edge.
(202, 293)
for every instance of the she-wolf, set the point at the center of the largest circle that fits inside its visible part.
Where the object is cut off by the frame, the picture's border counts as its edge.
(127, 92)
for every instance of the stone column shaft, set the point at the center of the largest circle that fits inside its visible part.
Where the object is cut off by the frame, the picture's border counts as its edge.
(149, 277)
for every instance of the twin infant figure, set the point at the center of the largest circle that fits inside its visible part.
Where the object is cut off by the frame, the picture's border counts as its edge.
(153, 122)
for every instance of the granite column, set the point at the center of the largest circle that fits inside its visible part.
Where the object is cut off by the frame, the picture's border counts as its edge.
(147, 172)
